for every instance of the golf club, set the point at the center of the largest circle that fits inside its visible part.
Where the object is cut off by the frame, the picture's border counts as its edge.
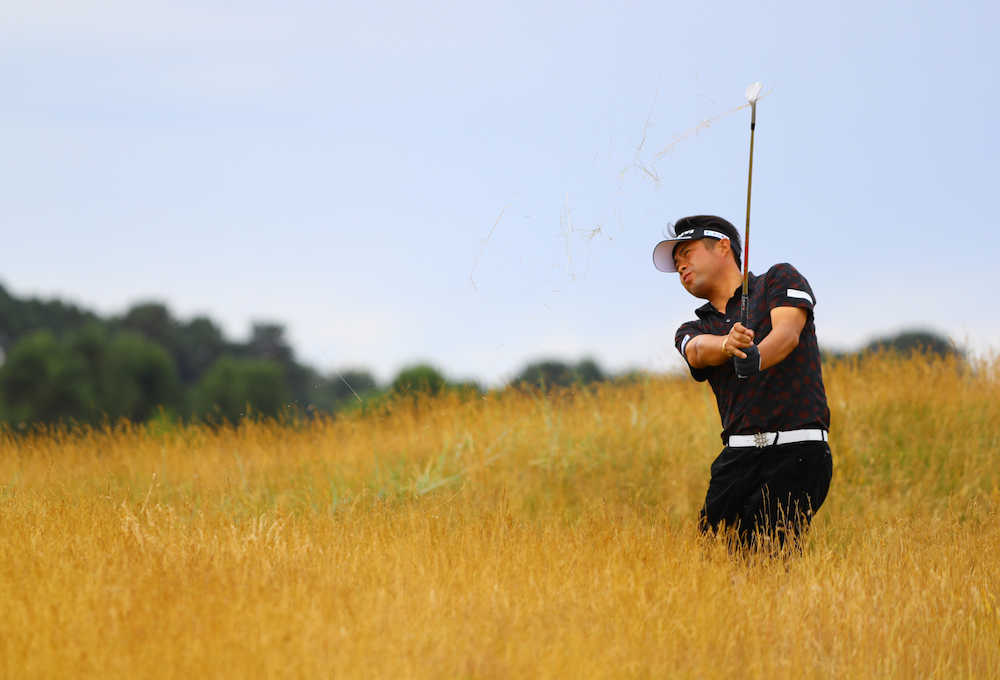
(752, 94)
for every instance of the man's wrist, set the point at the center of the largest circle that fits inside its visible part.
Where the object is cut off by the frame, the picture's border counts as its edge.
(749, 366)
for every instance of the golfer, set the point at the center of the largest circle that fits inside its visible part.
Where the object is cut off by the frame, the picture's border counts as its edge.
(775, 467)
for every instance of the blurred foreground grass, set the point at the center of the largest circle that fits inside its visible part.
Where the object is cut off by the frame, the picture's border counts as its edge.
(510, 536)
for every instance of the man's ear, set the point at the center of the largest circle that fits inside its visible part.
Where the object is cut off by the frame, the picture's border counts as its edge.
(723, 245)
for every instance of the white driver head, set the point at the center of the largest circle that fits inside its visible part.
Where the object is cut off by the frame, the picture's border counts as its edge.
(753, 92)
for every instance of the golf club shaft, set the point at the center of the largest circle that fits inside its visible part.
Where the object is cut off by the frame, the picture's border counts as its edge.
(746, 234)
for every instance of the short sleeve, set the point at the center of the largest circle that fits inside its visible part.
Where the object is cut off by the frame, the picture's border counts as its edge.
(687, 332)
(786, 287)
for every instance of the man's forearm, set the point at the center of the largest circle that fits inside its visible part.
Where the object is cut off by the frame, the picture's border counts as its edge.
(778, 344)
(706, 350)
(786, 326)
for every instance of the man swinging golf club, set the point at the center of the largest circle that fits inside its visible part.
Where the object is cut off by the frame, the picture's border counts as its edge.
(758, 351)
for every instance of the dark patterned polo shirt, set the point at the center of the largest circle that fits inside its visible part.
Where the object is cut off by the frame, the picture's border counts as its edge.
(786, 396)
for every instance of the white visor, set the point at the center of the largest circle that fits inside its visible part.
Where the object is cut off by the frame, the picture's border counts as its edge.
(663, 253)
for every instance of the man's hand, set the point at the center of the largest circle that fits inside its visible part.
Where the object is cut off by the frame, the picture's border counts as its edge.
(739, 345)
(749, 365)
(716, 350)
(739, 337)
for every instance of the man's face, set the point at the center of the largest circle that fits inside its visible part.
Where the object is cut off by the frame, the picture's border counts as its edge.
(698, 263)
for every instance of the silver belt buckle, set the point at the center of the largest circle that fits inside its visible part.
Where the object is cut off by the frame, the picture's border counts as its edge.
(760, 440)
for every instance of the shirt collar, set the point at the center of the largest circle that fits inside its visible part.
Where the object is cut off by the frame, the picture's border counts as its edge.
(707, 309)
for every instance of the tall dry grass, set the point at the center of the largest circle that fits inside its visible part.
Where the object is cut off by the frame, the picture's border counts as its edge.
(511, 536)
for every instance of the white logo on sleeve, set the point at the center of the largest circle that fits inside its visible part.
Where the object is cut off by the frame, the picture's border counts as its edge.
(801, 294)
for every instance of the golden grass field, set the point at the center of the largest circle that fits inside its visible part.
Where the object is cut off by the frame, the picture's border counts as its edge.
(512, 536)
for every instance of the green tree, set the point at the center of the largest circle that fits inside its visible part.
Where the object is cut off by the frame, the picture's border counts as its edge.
(194, 346)
(140, 378)
(129, 376)
(43, 380)
(345, 384)
(545, 374)
(153, 321)
(267, 341)
(418, 379)
(18, 318)
(550, 373)
(917, 340)
(333, 392)
(587, 371)
(233, 384)
(199, 344)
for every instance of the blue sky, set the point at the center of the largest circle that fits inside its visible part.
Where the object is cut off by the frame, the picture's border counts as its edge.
(480, 185)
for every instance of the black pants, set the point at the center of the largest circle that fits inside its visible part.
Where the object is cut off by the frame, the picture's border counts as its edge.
(767, 494)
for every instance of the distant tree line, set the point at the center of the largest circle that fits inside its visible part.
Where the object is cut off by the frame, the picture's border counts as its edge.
(62, 363)
(905, 343)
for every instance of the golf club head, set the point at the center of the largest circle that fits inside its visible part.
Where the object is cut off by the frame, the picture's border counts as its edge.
(753, 92)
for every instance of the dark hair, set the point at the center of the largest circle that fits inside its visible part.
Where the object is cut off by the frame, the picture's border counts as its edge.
(716, 223)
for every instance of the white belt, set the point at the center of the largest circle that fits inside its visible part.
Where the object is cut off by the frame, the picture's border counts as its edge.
(762, 439)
